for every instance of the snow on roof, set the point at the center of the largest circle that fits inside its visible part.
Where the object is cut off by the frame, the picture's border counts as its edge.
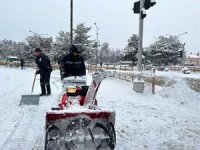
(193, 56)
(12, 57)
(126, 62)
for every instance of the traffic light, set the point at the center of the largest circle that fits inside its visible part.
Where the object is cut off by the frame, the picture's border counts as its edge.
(149, 3)
(143, 13)
(136, 8)
(181, 53)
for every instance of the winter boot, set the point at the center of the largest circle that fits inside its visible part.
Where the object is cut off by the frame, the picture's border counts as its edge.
(48, 89)
(43, 90)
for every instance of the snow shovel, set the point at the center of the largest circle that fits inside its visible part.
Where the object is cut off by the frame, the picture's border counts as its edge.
(30, 99)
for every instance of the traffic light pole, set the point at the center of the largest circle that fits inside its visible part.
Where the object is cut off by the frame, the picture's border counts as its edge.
(140, 7)
(138, 84)
(140, 37)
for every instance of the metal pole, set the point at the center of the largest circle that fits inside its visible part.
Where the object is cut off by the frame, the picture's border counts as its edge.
(140, 37)
(97, 45)
(138, 85)
(183, 55)
(71, 22)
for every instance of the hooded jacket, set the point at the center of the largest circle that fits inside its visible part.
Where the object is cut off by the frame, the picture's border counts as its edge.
(73, 65)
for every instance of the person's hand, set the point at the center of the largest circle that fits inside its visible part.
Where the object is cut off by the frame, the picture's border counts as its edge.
(37, 72)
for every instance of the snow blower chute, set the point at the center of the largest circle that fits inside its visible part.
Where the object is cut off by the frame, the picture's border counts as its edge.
(78, 124)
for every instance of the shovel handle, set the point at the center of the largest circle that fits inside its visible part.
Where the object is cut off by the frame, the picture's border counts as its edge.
(33, 83)
(34, 80)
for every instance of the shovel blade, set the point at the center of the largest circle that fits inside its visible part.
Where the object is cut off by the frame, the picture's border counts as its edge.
(30, 100)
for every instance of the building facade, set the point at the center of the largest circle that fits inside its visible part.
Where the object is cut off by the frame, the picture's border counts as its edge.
(192, 60)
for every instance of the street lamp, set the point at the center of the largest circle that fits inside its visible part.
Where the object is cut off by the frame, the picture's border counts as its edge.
(97, 28)
(178, 34)
(181, 34)
(71, 22)
(37, 33)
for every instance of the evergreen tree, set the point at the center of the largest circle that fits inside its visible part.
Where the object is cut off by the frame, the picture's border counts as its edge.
(83, 42)
(61, 46)
(23, 50)
(8, 47)
(45, 43)
(131, 50)
(105, 53)
(165, 50)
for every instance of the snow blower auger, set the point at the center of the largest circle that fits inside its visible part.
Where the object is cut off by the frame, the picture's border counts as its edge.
(78, 124)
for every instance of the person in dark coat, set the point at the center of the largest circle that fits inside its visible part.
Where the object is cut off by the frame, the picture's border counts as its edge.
(22, 63)
(60, 63)
(44, 69)
(73, 64)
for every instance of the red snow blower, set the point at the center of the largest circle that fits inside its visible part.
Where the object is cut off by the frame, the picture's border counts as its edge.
(78, 123)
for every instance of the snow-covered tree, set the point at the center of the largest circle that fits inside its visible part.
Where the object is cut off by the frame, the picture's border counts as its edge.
(83, 42)
(55, 49)
(131, 50)
(165, 50)
(108, 55)
(23, 50)
(61, 46)
(45, 43)
(105, 53)
(8, 47)
(115, 56)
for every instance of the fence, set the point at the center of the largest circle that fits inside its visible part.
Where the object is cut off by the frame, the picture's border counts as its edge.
(26, 64)
(92, 67)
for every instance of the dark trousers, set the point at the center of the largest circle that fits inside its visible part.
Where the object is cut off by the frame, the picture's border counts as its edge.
(22, 66)
(45, 83)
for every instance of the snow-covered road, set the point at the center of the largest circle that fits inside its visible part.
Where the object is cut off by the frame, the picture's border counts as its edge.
(22, 127)
(153, 122)
(168, 120)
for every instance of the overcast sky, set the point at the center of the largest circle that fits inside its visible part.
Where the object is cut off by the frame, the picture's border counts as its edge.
(114, 17)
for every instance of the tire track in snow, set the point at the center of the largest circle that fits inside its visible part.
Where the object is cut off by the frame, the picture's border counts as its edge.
(13, 90)
(54, 81)
(28, 130)
(17, 137)
(39, 143)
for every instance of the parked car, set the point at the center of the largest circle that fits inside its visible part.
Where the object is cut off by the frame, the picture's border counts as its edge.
(13, 60)
(185, 70)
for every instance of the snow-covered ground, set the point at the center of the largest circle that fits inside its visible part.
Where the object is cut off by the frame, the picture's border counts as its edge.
(168, 120)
